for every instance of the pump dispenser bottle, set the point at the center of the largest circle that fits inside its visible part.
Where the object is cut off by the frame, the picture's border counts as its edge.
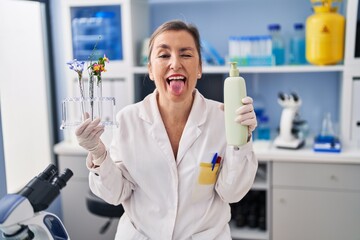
(234, 92)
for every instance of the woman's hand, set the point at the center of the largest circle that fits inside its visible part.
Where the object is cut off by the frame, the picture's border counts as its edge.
(245, 114)
(88, 136)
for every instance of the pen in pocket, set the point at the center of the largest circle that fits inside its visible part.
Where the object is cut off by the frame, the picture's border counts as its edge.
(213, 162)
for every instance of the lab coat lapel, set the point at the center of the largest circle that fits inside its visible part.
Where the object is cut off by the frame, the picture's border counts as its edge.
(150, 113)
(192, 128)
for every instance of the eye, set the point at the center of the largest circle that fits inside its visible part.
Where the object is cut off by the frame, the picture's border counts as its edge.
(164, 56)
(186, 55)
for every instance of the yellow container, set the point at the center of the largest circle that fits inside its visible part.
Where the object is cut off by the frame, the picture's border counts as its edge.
(325, 36)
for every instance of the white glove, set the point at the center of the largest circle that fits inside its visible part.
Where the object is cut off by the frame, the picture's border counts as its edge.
(246, 115)
(88, 136)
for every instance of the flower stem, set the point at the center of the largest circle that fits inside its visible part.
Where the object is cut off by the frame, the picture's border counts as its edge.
(82, 96)
(91, 96)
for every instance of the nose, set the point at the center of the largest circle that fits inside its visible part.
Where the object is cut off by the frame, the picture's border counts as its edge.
(175, 63)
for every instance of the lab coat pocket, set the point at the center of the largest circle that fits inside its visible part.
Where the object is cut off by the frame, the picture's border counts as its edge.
(208, 174)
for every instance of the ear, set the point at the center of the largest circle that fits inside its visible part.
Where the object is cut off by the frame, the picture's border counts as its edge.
(151, 75)
(200, 72)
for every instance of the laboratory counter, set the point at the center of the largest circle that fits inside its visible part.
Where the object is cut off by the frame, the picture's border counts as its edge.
(265, 151)
(285, 178)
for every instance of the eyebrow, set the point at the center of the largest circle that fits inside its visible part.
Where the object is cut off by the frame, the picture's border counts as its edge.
(165, 46)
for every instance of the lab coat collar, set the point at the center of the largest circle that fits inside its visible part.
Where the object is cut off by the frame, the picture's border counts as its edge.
(149, 112)
(192, 130)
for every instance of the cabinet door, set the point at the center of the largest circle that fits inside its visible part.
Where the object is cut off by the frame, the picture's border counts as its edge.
(315, 214)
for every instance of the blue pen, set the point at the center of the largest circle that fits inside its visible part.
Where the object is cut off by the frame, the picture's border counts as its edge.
(213, 162)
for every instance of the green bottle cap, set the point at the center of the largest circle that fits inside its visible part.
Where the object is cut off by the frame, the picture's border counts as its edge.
(234, 71)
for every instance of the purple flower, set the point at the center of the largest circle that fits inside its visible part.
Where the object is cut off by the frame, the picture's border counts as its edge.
(77, 66)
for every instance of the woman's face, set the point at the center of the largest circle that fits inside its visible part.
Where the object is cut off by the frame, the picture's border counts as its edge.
(174, 65)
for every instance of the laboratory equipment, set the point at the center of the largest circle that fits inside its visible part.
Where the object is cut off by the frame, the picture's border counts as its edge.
(325, 33)
(234, 92)
(255, 50)
(21, 214)
(103, 108)
(263, 130)
(327, 141)
(286, 139)
(297, 45)
(210, 54)
(278, 44)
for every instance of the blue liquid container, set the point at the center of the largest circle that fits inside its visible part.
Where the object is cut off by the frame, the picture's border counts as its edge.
(297, 45)
(278, 44)
(263, 130)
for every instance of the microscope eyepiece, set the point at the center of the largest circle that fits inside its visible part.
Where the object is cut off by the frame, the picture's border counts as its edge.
(295, 96)
(48, 173)
(62, 179)
(282, 96)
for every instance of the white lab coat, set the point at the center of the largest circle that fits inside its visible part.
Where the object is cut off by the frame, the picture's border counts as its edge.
(166, 198)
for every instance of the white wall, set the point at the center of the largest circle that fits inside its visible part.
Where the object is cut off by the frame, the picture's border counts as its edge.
(23, 93)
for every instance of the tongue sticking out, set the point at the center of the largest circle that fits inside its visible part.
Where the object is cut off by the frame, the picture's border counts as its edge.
(177, 86)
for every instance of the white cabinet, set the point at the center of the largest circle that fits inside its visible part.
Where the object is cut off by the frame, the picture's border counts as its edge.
(315, 201)
(79, 222)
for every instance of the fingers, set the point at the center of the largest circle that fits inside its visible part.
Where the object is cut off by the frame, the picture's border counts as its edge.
(247, 100)
(246, 108)
(246, 119)
(221, 107)
(86, 115)
(87, 127)
(246, 115)
(79, 130)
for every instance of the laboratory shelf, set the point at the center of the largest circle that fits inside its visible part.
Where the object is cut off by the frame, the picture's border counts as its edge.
(260, 185)
(247, 233)
(261, 69)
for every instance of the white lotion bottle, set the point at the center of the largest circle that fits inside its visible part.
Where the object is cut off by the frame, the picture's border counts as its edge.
(234, 92)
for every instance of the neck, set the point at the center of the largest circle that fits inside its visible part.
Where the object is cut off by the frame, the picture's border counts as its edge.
(175, 112)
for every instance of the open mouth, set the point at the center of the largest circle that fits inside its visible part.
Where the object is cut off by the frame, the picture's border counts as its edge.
(175, 78)
(176, 83)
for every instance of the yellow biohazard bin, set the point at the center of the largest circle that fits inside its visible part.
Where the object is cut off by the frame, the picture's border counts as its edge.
(325, 34)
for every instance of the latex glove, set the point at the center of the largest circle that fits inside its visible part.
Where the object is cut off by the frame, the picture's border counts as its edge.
(88, 136)
(245, 114)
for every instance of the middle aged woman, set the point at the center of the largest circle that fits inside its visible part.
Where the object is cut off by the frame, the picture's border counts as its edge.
(159, 163)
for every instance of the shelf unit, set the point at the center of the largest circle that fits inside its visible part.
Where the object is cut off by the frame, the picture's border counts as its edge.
(262, 183)
(260, 69)
(346, 70)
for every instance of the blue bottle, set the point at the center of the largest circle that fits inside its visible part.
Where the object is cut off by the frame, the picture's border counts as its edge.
(263, 129)
(297, 45)
(278, 44)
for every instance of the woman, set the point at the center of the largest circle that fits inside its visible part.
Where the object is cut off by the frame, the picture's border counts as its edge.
(159, 163)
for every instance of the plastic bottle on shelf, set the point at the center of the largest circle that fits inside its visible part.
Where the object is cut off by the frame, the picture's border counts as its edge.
(278, 44)
(297, 45)
(263, 129)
